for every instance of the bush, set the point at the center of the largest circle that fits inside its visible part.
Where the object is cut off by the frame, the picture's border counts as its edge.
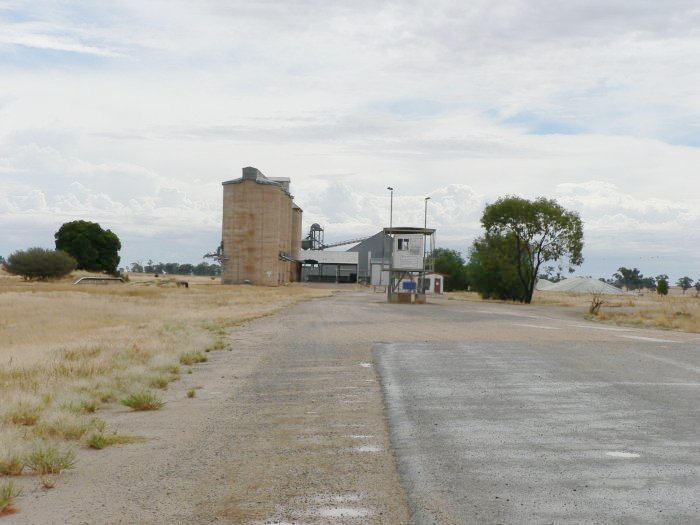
(40, 263)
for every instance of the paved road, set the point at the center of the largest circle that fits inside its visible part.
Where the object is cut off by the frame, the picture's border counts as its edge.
(580, 424)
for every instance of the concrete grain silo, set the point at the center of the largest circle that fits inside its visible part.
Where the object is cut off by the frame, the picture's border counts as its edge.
(258, 231)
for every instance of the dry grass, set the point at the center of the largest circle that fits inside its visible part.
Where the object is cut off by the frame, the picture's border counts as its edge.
(676, 311)
(673, 312)
(67, 350)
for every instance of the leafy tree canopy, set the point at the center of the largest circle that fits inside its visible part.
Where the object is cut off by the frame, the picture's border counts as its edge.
(452, 264)
(632, 279)
(684, 283)
(95, 249)
(40, 263)
(532, 233)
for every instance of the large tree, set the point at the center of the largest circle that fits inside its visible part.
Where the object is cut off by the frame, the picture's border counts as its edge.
(452, 264)
(95, 249)
(532, 233)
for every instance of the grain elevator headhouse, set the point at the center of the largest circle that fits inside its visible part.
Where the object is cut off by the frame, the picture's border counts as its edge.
(261, 230)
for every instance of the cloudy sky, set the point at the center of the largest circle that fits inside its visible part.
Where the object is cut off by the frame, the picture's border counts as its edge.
(131, 113)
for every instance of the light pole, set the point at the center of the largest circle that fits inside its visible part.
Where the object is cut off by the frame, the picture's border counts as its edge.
(425, 224)
(425, 220)
(391, 206)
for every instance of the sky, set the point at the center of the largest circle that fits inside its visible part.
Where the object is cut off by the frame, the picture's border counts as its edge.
(131, 114)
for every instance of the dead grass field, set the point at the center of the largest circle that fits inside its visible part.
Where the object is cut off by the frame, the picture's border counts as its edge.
(68, 350)
(676, 311)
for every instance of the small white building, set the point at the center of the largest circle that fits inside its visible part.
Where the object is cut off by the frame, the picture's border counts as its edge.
(434, 283)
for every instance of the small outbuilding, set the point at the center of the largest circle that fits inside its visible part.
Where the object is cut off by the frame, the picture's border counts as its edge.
(434, 283)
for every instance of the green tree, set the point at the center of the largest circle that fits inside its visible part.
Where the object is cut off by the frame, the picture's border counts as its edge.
(684, 283)
(631, 279)
(40, 263)
(95, 249)
(533, 233)
(697, 286)
(662, 285)
(492, 272)
(452, 264)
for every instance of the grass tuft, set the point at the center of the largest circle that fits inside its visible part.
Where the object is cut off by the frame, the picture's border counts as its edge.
(11, 464)
(99, 440)
(143, 400)
(190, 358)
(24, 413)
(50, 460)
(191, 392)
(162, 381)
(68, 426)
(7, 495)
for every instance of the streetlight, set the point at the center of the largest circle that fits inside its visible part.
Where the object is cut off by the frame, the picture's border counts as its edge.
(425, 223)
(391, 206)
(425, 220)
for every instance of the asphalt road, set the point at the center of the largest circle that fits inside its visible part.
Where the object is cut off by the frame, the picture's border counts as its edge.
(545, 419)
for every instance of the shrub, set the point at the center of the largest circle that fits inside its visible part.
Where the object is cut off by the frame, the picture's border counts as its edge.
(191, 392)
(143, 400)
(50, 460)
(40, 263)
